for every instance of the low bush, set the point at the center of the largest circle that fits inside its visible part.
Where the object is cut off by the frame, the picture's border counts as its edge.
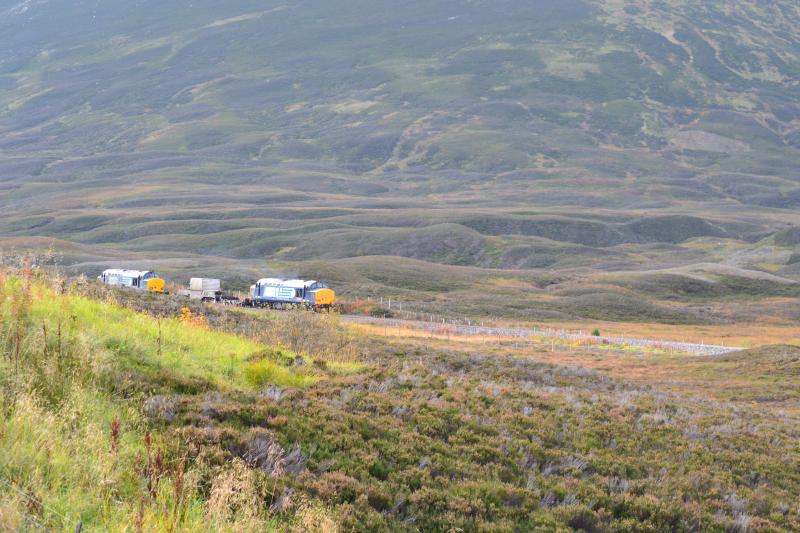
(260, 374)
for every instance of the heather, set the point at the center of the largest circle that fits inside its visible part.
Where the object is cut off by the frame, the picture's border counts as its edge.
(138, 420)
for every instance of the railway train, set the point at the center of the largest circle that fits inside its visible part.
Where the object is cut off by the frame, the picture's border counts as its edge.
(273, 293)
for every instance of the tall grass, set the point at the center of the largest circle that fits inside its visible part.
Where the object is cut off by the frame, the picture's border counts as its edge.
(74, 444)
(319, 336)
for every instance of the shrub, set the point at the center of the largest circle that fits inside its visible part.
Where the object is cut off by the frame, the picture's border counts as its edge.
(260, 374)
(319, 336)
(234, 501)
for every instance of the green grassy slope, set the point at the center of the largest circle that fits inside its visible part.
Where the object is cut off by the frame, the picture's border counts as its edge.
(78, 377)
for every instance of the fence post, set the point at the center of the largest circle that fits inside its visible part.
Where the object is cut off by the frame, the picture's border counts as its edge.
(79, 527)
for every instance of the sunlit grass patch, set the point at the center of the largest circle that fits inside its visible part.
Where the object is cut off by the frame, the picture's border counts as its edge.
(139, 340)
(346, 367)
(259, 374)
(76, 441)
(66, 460)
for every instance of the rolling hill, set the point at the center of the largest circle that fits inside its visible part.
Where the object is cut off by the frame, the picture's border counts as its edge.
(544, 143)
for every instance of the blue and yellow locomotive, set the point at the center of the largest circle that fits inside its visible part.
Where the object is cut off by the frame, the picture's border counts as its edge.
(278, 294)
(143, 280)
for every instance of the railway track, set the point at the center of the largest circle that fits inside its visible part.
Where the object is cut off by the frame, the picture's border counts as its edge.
(543, 333)
(453, 328)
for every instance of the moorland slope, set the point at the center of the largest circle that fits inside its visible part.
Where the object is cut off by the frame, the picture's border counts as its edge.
(218, 419)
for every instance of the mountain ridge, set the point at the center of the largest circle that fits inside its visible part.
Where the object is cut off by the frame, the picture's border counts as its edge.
(249, 130)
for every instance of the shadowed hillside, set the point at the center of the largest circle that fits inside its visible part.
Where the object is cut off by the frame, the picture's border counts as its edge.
(534, 136)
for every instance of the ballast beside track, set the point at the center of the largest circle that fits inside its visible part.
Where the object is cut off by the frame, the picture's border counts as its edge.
(544, 333)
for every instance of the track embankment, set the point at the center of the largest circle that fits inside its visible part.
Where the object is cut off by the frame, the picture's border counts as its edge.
(444, 328)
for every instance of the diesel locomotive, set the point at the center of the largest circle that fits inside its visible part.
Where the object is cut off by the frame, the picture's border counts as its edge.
(143, 280)
(280, 294)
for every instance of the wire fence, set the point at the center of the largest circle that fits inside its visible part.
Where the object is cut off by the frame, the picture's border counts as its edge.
(442, 326)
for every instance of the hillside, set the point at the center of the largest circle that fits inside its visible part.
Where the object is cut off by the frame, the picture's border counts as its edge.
(170, 419)
(576, 137)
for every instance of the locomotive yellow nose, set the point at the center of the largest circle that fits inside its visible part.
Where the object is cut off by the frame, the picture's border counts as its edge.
(155, 285)
(324, 297)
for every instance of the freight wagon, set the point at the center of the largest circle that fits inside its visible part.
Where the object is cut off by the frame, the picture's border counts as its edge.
(208, 290)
